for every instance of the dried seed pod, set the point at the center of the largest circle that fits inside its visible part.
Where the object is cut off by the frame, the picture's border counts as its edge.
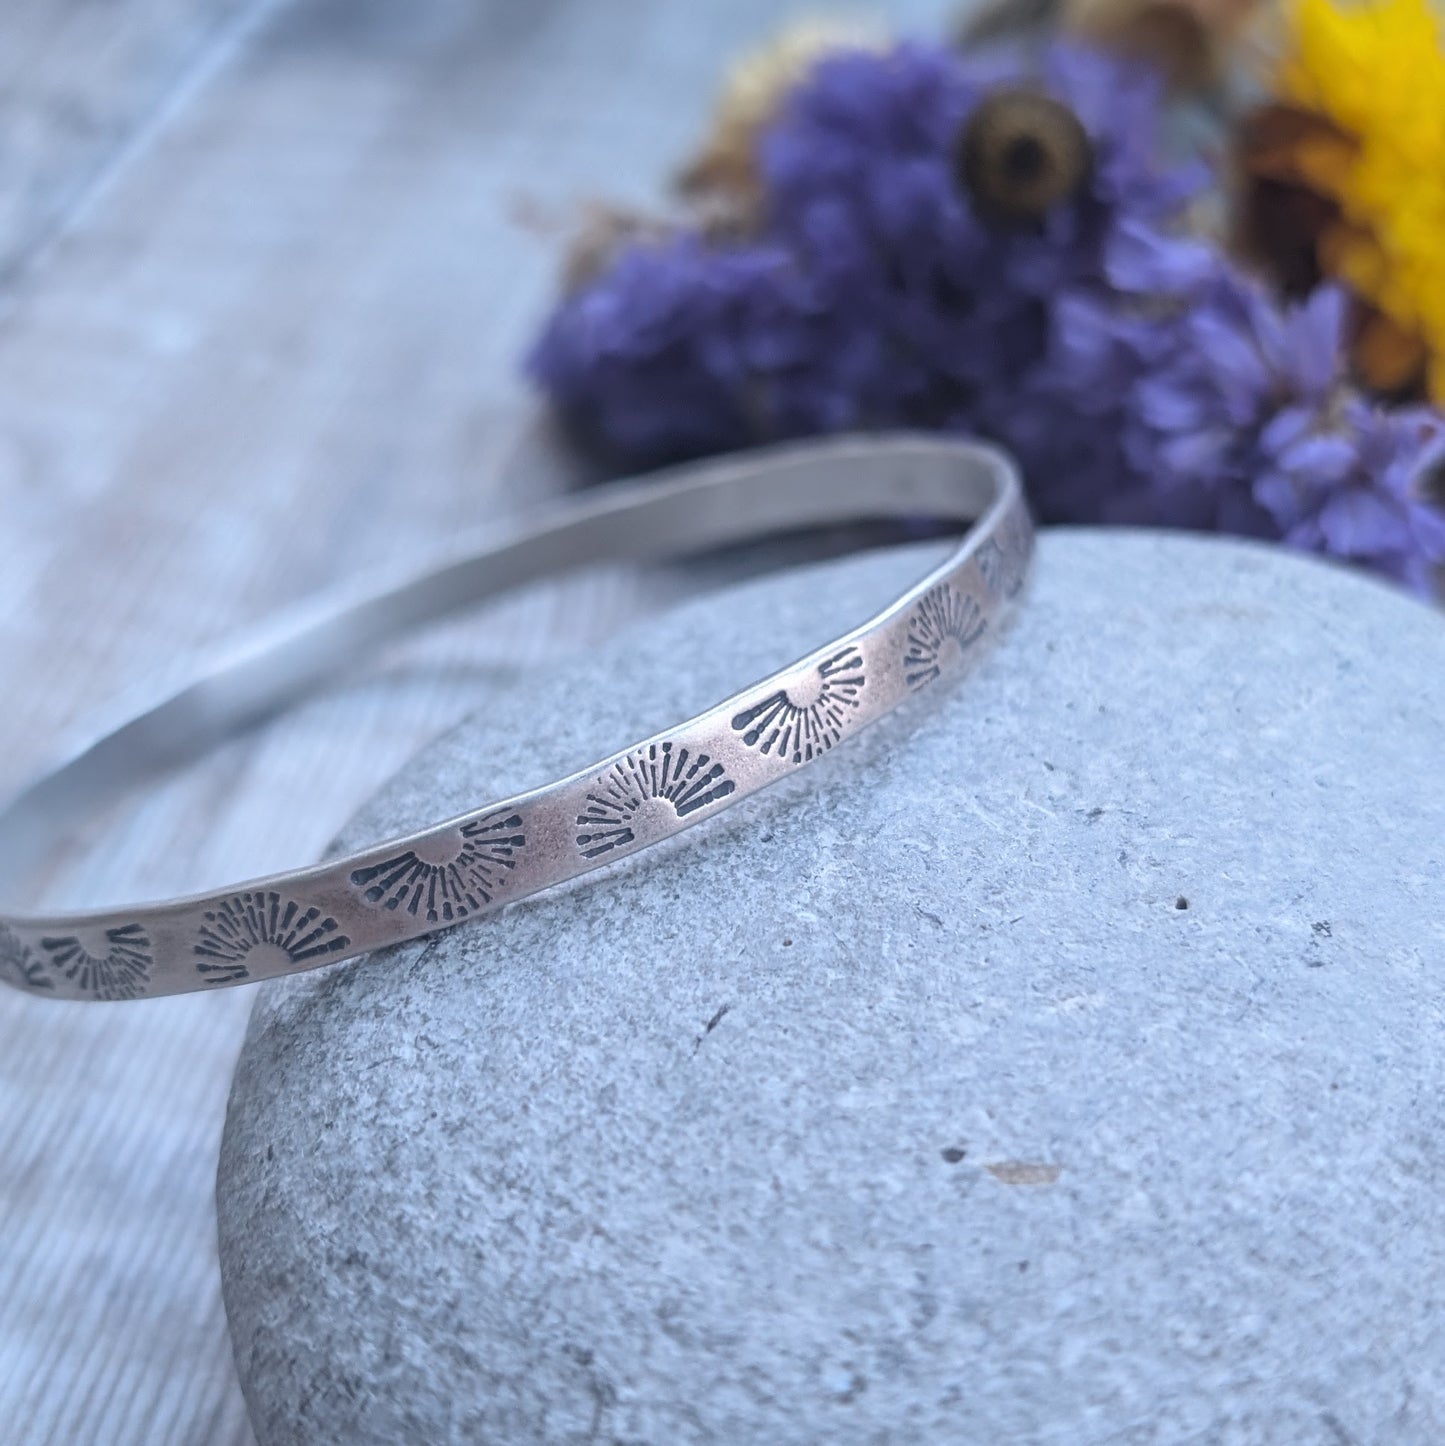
(1022, 153)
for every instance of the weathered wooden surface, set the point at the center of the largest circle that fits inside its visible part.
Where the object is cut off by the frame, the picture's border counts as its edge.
(80, 84)
(276, 346)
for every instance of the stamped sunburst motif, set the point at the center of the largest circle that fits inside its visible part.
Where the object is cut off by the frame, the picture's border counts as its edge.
(998, 573)
(1016, 539)
(1003, 559)
(945, 622)
(115, 965)
(621, 806)
(264, 924)
(448, 879)
(18, 964)
(800, 722)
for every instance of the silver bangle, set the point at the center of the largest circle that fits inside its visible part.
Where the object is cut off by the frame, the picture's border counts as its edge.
(453, 872)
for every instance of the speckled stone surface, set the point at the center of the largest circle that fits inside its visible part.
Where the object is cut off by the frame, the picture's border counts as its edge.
(1061, 1062)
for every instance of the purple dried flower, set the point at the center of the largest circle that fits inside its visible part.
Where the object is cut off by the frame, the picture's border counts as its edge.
(1136, 373)
(860, 177)
(1353, 483)
(668, 353)
(1222, 411)
(875, 295)
(1213, 359)
(1232, 358)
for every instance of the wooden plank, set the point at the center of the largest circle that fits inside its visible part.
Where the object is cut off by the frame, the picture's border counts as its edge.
(78, 82)
(277, 348)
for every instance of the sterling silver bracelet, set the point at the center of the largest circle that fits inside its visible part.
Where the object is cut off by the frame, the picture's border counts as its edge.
(453, 872)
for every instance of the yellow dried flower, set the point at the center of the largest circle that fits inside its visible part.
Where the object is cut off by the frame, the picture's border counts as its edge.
(754, 89)
(1375, 73)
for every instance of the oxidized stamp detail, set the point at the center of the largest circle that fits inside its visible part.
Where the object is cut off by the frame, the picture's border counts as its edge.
(944, 622)
(448, 879)
(121, 970)
(634, 795)
(1013, 545)
(801, 723)
(18, 964)
(994, 566)
(673, 777)
(267, 922)
(1003, 560)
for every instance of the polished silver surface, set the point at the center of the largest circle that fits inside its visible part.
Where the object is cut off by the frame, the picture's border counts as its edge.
(505, 850)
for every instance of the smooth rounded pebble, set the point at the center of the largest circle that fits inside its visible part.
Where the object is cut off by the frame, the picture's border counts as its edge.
(1061, 1061)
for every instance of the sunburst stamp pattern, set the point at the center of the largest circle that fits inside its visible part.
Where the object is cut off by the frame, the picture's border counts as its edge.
(631, 794)
(1003, 560)
(264, 925)
(117, 965)
(994, 565)
(943, 626)
(801, 722)
(18, 964)
(447, 880)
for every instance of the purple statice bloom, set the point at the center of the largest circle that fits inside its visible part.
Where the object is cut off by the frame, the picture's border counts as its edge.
(1355, 483)
(1220, 360)
(1200, 402)
(1065, 420)
(860, 179)
(655, 359)
(1229, 356)
(873, 295)
(1138, 375)
(860, 183)
(683, 349)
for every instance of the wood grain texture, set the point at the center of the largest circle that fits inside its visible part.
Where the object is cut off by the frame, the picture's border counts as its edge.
(279, 346)
(80, 83)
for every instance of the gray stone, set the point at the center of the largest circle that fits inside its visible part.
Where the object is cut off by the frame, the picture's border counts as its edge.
(1060, 1062)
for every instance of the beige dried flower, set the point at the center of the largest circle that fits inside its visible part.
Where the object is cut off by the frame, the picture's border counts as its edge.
(754, 89)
